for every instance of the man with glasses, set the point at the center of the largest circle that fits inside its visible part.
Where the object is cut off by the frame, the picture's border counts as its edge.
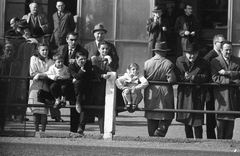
(63, 24)
(225, 69)
(210, 118)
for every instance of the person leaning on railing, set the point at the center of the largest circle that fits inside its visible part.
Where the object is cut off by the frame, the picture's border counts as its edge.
(194, 69)
(225, 69)
(39, 64)
(158, 68)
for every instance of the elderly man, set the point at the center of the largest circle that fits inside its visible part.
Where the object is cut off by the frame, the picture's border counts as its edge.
(63, 24)
(210, 118)
(15, 31)
(194, 69)
(35, 19)
(225, 69)
(186, 28)
(158, 68)
(158, 28)
(92, 47)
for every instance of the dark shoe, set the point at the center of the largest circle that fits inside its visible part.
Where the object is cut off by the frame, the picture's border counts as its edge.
(58, 119)
(158, 132)
(134, 106)
(80, 130)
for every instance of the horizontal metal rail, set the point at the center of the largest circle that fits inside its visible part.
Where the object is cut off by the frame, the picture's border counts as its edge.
(122, 108)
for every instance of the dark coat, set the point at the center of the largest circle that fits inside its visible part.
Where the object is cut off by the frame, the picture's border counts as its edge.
(191, 97)
(211, 55)
(156, 33)
(226, 98)
(63, 50)
(62, 26)
(93, 50)
(186, 23)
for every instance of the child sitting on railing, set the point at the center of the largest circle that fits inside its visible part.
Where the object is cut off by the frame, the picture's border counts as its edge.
(59, 73)
(132, 82)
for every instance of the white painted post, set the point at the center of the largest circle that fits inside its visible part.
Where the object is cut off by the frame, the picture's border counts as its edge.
(110, 105)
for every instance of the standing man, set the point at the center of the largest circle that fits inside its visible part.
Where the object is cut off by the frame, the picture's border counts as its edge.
(78, 118)
(63, 24)
(225, 69)
(35, 19)
(158, 29)
(92, 47)
(160, 96)
(194, 69)
(211, 119)
(186, 28)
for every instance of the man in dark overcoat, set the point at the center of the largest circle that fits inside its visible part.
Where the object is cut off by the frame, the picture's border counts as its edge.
(210, 118)
(225, 69)
(194, 69)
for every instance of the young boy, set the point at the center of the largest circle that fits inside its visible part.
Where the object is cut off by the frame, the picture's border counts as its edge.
(81, 72)
(59, 73)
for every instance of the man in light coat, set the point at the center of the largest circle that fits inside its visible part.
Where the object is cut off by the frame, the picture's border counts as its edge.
(158, 68)
(36, 19)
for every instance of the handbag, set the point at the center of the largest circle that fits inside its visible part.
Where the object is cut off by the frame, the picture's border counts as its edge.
(43, 95)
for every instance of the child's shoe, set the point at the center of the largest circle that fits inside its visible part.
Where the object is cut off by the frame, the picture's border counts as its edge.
(57, 103)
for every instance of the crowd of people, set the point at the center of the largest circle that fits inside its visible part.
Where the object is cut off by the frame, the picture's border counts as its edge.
(65, 73)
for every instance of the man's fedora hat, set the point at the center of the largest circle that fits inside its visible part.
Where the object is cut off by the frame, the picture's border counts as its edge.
(37, 32)
(161, 46)
(158, 8)
(23, 23)
(99, 27)
(191, 48)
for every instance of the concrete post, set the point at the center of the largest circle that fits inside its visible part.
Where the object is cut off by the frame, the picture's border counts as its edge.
(110, 105)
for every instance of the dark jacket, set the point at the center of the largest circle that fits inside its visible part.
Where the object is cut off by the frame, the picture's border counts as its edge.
(191, 97)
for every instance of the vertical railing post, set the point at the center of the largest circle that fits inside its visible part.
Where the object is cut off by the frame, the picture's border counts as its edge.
(110, 107)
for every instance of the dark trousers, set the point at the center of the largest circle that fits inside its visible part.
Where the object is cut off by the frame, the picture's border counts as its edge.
(77, 120)
(210, 118)
(40, 118)
(2, 117)
(78, 89)
(198, 131)
(160, 125)
(225, 129)
(59, 88)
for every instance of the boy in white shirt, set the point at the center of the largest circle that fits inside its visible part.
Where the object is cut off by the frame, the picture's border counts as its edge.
(59, 73)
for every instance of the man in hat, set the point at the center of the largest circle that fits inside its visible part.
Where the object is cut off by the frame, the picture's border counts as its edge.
(23, 25)
(35, 19)
(63, 24)
(92, 47)
(186, 28)
(225, 69)
(192, 69)
(159, 96)
(158, 28)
